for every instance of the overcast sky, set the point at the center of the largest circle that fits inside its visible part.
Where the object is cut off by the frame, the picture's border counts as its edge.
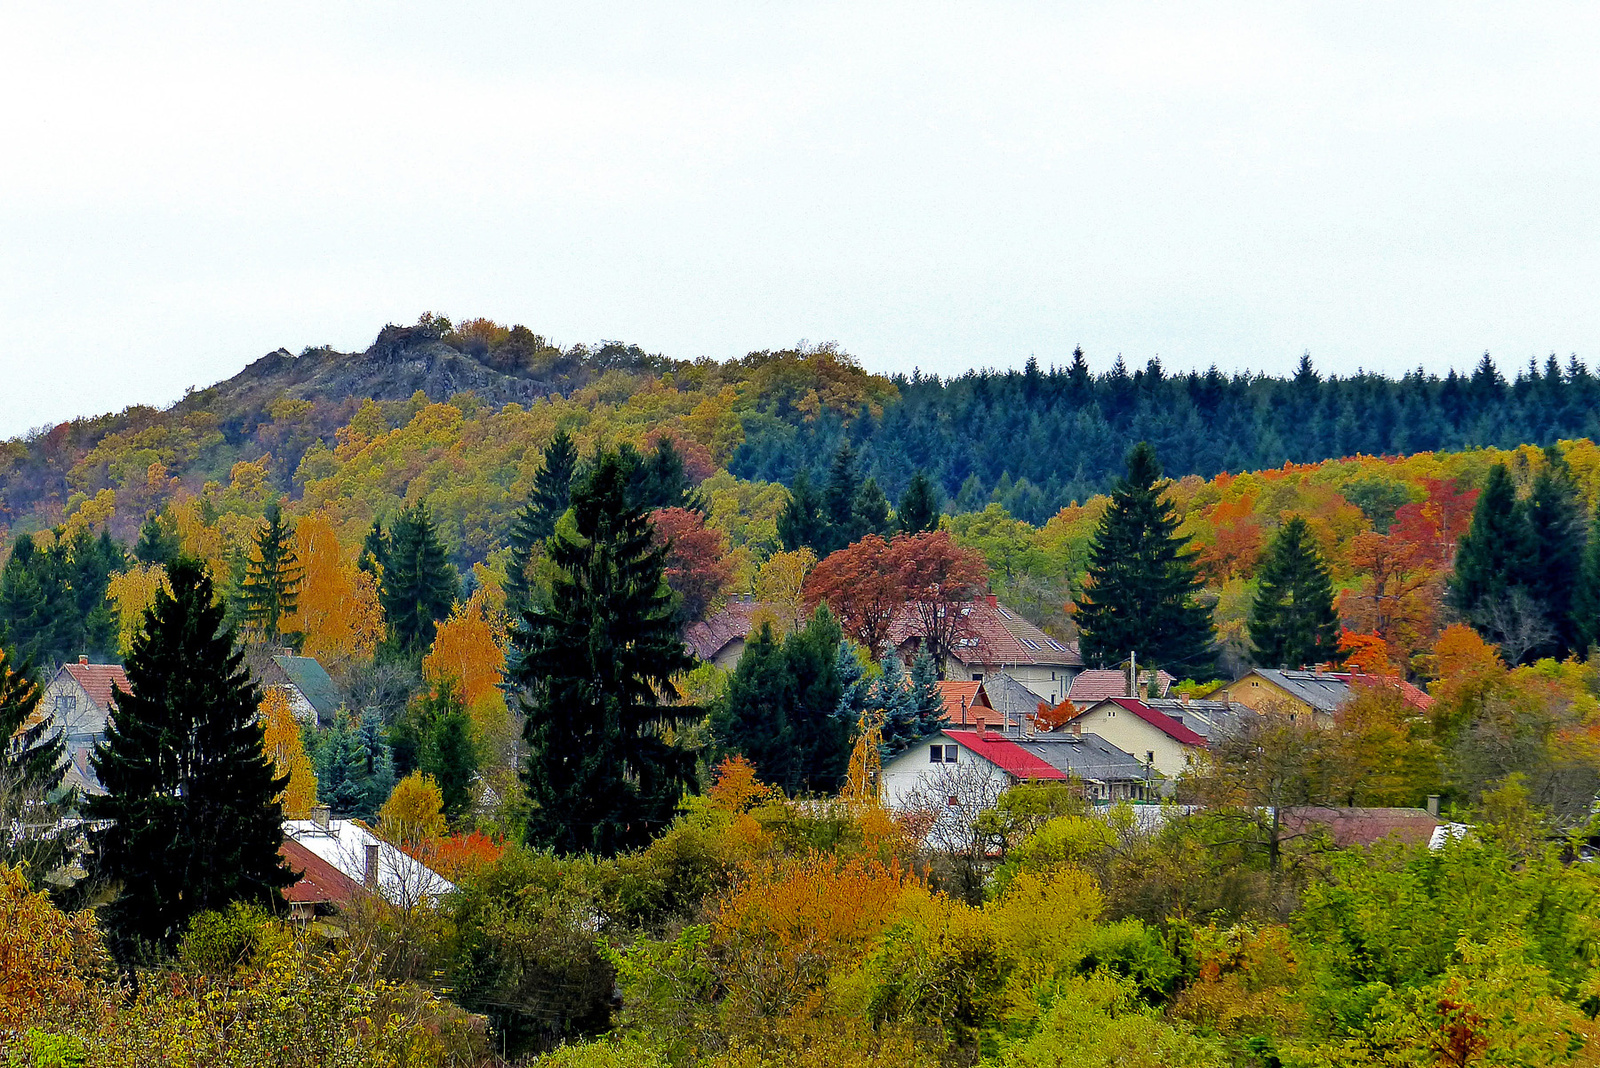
(184, 188)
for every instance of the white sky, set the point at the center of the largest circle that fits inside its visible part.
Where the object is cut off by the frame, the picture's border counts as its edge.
(186, 187)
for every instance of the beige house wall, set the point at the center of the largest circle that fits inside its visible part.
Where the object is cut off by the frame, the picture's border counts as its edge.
(1139, 740)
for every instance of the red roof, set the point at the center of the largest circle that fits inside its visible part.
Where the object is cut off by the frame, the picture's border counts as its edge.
(962, 696)
(321, 883)
(993, 635)
(1364, 826)
(709, 637)
(1006, 755)
(1159, 720)
(1414, 696)
(1097, 684)
(97, 681)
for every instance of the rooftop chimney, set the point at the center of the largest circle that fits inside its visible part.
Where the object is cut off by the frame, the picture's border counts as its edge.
(83, 658)
(1433, 805)
(993, 601)
(320, 816)
(370, 876)
(1077, 729)
(982, 724)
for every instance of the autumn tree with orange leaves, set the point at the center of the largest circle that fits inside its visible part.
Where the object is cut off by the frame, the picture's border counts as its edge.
(863, 586)
(337, 610)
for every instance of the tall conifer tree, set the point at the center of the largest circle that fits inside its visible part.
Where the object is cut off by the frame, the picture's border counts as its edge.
(191, 800)
(595, 670)
(270, 588)
(419, 584)
(1292, 622)
(547, 501)
(1143, 587)
(1557, 529)
(919, 506)
(32, 766)
(1586, 597)
(1496, 554)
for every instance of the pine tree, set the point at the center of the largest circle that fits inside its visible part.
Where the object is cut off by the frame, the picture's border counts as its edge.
(1557, 529)
(912, 706)
(802, 524)
(270, 588)
(1292, 622)
(595, 669)
(751, 717)
(419, 584)
(33, 620)
(659, 480)
(870, 512)
(547, 502)
(1142, 595)
(190, 794)
(1496, 554)
(435, 738)
(354, 766)
(919, 506)
(839, 498)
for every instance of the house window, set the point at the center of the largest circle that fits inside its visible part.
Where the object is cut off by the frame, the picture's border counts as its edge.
(936, 754)
(977, 676)
(1111, 713)
(950, 752)
(1149, 756)
(954, 801)
(66, 703)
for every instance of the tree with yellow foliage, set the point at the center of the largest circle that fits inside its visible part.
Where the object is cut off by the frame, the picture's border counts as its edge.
(414, 813)
(338, 609)
(469, 650)
(779, 587)
(287, 752)
(132, 591)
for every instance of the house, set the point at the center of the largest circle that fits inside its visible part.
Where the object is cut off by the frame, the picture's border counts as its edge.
(313, 696)
(981, 762)
(963, 698)
(721, 639)
(1317, 693)
(993, 639)
(321, 889)
(1096, 684)
(351, 848)
(80, 699)
(1107, 773)
(1351, 827)
(1159, 740)
(1015, 702)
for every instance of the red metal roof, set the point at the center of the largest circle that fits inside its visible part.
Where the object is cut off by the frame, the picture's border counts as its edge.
(97, 681)
(1159, 720)
(321, 883)
(1006, 755)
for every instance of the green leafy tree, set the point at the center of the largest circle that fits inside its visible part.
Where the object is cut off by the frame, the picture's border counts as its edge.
(1292, 621)
(193, 820)
(1143, 588)
(547, 502)
(595, 672)
(435, 737)
(786, 708)
(419, 584)
(919, 506)
(270, 588)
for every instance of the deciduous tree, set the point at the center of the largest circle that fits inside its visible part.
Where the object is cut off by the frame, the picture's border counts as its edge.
(937, 580)
(698, 568)
(863, 586)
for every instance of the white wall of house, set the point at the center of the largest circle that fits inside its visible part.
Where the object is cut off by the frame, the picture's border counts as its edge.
(72, 710)
(304, 711)
(1141, 740)
(909, 772)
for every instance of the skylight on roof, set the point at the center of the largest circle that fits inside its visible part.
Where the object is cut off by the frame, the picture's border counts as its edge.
(1029, 642)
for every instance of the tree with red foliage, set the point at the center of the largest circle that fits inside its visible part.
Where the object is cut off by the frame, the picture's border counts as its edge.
(862, 586)
(698, 569)
(1398, 598)
(938, 579)
(1435, 525)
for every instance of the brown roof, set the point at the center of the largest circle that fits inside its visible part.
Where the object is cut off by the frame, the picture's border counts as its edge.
(709, 637)
(960, 697)
(1098, 684)
(995, 635)
(97, 681)
(320, 882)
(1365, 826)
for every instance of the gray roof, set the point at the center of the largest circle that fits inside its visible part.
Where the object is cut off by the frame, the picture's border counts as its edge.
(1088, 756)
(312, 680)
(1203, 717)
(1322, 690)
(1010, 696)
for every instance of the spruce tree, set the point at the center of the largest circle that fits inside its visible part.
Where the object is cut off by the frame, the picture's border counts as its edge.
(1292, 622)
(595, 672)
(34, 622)
(1586, 597)
(869, 512)
(919, 506)
(193, 820)
(32, 766)
(839, 498)
(751, 717)
(1557, 529)
(803, 523)
(270, 588)
(158, 541)
(913, 707)
(1496, 553)
(435, 737)
(1143, 590)
(547, 502)
(419, 584)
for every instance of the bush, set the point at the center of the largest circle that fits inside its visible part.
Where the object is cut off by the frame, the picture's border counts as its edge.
(239, 937)
(1129, 950)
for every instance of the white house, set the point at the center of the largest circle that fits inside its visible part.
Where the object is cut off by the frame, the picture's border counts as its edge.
(79, 701)
(365, 858)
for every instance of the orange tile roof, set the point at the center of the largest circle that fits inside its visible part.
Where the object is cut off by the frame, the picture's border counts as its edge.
(97, 681)
(709, 637)
(1097, 684)
(960, 697)
(319, 882)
